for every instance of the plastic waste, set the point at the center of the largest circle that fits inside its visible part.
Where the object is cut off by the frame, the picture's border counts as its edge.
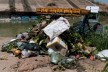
(12, 40)
(55, 57)
(31, 41)
(25, 53)
(50, 51)
(19, 36)
(19, 44)
(102, 55)
(68, 62)
(22, 46)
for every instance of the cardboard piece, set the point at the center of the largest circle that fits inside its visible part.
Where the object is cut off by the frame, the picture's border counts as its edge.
(56, 27)
(58, 45)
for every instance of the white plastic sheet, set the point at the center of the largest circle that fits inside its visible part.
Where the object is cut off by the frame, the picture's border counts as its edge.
(103, 53)
(56, 27)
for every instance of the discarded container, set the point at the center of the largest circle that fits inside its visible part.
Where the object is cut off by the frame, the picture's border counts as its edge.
(55, 58)
(56, 43)
(56, 27)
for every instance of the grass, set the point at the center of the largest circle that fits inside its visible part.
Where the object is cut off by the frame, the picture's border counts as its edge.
(99, 41)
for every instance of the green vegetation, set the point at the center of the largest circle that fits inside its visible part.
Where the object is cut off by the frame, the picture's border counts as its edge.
(99, 41)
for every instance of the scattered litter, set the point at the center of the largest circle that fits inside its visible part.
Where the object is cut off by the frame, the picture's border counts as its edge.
(56, 39)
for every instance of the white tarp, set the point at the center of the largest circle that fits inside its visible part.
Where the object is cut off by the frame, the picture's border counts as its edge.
(56, 27)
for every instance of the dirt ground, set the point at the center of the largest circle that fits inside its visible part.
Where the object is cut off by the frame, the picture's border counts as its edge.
(42, 63)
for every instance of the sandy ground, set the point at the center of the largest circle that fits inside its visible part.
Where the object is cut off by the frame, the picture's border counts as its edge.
(42, 63)
(5, 64)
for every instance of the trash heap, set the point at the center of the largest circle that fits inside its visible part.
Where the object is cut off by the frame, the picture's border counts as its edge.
(57, 39)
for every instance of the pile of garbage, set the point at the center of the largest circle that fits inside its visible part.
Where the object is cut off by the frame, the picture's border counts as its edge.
(57, 39)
